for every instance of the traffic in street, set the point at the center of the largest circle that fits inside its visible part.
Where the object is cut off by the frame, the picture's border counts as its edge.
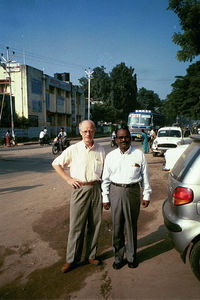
(34, 224)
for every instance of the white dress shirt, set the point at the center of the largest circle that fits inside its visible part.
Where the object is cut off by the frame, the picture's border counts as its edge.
(86, 164)
(126, 168)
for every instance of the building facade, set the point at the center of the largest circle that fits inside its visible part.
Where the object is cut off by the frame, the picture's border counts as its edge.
(44, 100)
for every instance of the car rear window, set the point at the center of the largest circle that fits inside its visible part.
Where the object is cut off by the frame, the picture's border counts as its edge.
(169, 133)
(186, 161)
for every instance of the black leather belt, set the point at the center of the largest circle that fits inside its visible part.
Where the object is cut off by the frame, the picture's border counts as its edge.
(124, 184)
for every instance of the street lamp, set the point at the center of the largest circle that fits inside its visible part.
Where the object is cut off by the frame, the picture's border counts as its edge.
(89, 75)
(7, 68)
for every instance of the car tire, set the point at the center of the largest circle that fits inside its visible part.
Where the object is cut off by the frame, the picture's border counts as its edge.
(195, 259)
(154, 154)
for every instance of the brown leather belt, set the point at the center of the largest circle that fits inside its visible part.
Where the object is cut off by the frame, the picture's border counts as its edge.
(90, 182)
(124, 184)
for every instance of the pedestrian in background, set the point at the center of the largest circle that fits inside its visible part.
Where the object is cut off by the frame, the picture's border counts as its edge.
(8, 138)
(152, 137)
(85, 159)
(145, 142)
(125, 172)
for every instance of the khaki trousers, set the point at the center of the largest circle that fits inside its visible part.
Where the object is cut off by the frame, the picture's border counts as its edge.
(85, 209)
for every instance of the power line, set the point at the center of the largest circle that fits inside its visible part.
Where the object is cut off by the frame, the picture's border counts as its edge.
(43, 58)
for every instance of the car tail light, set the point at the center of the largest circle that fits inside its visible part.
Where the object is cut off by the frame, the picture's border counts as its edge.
(182, 196)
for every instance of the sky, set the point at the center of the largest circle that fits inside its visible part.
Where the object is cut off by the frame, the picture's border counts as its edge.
(74, 35)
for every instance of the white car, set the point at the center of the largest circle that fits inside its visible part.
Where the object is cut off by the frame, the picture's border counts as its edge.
(168, 138)
(172, 155)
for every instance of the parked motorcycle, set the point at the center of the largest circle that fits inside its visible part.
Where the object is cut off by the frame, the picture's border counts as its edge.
(60, 145)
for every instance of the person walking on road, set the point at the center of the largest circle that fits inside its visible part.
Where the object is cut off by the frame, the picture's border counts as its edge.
(85, 159)
(125, 172)
(145, 142)
(152, 137)
(8, 138)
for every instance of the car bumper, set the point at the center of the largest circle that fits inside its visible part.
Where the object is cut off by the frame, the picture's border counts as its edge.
(159, 151)
(181, 231)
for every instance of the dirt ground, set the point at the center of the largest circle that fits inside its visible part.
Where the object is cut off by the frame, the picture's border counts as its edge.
(34, 223)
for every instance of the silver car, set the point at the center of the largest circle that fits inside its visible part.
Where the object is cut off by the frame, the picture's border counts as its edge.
(181, 210)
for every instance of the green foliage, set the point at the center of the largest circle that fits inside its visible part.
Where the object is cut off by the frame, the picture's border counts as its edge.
(100, 85)
(147, 99)
(103, 112)
(188, 12)
(185, 96)
(21, 122)
(123, 94)
(114, 94)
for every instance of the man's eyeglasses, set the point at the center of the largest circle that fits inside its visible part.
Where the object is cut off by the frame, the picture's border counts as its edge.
(87, 131)
(126, 137)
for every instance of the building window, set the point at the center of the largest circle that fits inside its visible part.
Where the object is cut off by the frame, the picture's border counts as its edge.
(36, 86)
(36, 106)
(33, 121)
(47, 101)
(60, 102)
(51, 89)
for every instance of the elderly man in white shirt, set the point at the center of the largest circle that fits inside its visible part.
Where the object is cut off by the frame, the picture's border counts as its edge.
(125, 172)
(85, 160)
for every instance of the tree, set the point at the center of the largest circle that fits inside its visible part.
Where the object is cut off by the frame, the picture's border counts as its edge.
(103, 112)
(185, 96)
(147, 99)
(117, 91)
(123, 94)
(100, 85)
(188, 12)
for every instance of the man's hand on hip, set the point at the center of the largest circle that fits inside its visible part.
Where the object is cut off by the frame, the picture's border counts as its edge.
(145, 203)
(75, 183)
(106, 205)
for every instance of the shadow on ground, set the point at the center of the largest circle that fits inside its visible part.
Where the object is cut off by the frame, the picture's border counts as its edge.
(49, 282)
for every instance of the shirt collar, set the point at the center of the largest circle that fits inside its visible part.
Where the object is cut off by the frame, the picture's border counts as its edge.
(87, 148)
(127, 151)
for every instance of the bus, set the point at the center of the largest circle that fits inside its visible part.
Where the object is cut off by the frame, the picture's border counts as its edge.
(143, 119)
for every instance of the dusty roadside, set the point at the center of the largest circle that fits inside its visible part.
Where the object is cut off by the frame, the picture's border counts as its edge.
(33, 229)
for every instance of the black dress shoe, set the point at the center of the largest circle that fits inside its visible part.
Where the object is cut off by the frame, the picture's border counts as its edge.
(133, 264)
(118, 266)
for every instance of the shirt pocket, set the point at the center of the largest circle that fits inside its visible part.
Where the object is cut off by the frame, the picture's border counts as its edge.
(136, 168)
(98, 166)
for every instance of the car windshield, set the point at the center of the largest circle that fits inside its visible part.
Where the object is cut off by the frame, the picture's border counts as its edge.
(169, 133)
(186, 162)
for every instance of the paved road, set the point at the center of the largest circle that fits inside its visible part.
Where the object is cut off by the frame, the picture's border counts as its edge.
(34, 221)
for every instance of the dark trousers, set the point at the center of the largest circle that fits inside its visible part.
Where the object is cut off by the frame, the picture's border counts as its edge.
(125, 208)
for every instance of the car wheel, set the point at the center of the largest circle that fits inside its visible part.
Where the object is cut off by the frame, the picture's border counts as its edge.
(154, 154)
(195, 259)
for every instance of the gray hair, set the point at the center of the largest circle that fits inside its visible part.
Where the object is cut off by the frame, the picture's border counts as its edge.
(91, 122)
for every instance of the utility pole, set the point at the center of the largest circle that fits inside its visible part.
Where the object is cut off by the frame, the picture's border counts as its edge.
(89, 75)
(8, 60)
